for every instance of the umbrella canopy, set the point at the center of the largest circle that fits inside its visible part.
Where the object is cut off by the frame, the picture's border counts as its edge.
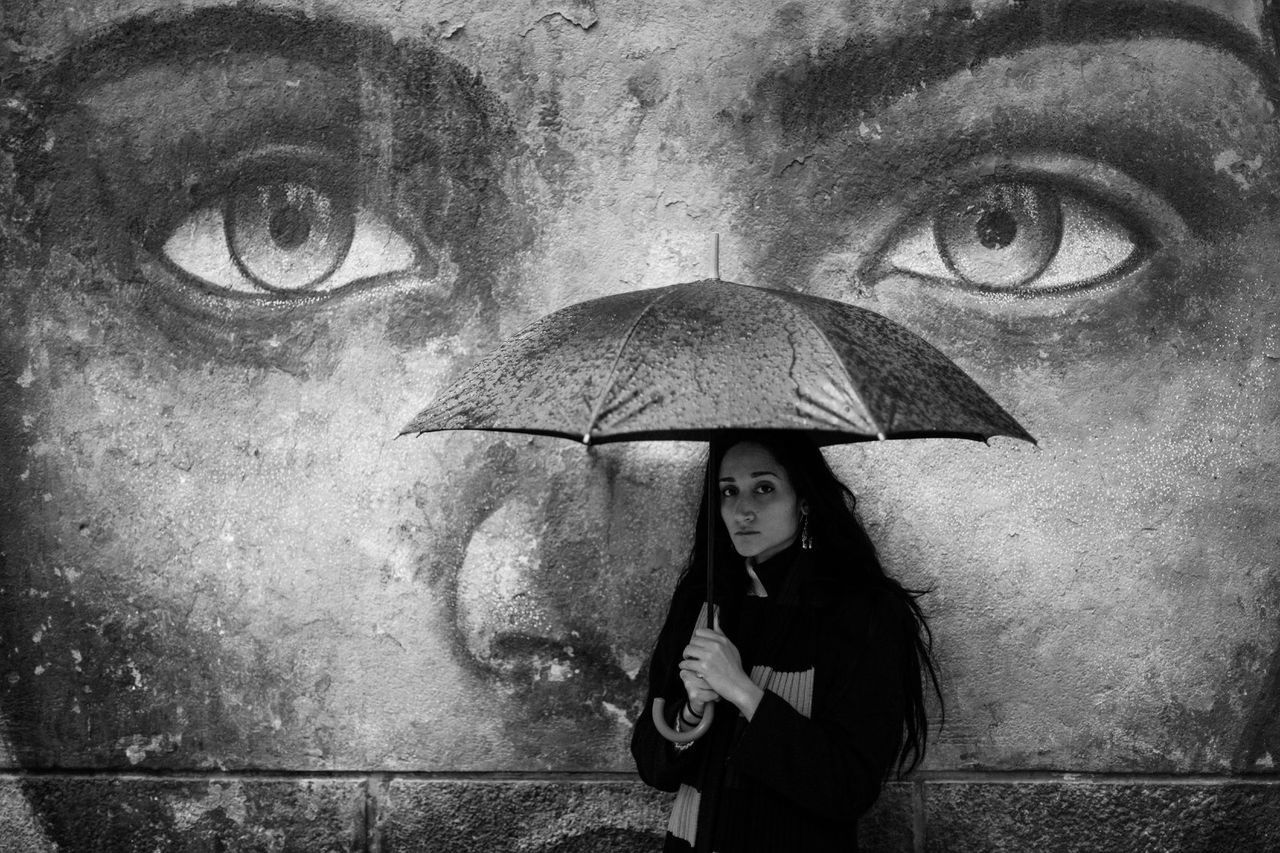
(690, 360)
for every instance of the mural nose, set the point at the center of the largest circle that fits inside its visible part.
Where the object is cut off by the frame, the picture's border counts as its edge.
(506, 618)
(562, 587)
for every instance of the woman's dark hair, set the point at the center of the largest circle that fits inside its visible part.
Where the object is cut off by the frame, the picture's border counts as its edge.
(834, 526)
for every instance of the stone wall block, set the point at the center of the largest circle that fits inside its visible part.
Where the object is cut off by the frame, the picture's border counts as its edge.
(448, 816)
(1193, 816)
(127, 814)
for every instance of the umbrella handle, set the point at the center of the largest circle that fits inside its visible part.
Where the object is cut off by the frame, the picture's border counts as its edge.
(660, 722)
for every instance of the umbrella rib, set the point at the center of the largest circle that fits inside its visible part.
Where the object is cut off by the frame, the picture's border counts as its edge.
(853, 386)
(613, 368)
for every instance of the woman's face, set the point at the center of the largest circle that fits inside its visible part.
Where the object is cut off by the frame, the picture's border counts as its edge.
(757, 501)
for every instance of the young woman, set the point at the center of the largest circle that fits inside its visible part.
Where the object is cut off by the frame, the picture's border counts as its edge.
(816, 665)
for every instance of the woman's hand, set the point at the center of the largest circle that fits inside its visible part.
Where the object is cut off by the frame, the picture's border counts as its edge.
(698, 691)
(711, 659)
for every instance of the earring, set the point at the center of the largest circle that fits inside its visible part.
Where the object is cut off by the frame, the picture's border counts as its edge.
(806, 540)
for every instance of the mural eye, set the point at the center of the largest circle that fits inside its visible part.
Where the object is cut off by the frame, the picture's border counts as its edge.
(1018, 237)
(285, 229)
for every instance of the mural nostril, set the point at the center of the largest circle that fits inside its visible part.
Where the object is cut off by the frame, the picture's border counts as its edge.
(532, 660)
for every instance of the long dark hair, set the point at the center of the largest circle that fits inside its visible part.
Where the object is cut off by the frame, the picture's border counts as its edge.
(834, 525)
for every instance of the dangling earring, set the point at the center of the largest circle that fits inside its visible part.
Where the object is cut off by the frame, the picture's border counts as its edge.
(806, 540)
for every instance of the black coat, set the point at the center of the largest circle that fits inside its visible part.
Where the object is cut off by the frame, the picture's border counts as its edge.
(786, 781)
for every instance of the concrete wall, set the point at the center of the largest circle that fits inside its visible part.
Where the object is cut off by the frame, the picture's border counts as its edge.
(243, 244)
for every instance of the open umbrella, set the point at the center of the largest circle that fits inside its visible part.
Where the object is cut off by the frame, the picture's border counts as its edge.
(690, 361)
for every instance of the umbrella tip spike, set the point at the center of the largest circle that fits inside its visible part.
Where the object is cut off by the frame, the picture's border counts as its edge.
(586, 438)
(880, 436)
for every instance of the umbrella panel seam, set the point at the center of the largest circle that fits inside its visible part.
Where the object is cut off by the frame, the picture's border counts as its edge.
(853, 386)
(613, 368)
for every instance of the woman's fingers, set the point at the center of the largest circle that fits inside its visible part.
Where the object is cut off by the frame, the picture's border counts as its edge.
(711, 667)
(713, 656)
(688, 674)
(693, 681)
(698, 691)
(706, 643)
(692, 678)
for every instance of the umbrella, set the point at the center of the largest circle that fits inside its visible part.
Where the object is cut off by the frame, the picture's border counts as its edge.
(693, 360)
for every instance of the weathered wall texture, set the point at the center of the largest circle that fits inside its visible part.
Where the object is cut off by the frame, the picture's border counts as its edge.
(243, 244)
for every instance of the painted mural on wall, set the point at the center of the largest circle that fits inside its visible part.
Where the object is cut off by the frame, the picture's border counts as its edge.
(243, 245)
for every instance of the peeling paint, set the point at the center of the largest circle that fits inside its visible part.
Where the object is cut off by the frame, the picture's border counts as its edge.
(580, 13)
(1232, 163)
(137, 748)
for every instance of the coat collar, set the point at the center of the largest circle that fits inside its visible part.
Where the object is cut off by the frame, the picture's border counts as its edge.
(782, 574)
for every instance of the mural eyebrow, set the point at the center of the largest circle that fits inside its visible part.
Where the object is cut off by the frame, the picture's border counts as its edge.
(207, 34)
(821, 94)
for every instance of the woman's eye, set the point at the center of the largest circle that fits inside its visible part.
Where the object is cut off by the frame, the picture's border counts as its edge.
(1017, 237)
(764, 488)
(275, 231)
(728, 492)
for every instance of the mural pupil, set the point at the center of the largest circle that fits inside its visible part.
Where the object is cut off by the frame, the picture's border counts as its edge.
(289, 227)
(288, 235)
(997, 228)
(999, 235)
